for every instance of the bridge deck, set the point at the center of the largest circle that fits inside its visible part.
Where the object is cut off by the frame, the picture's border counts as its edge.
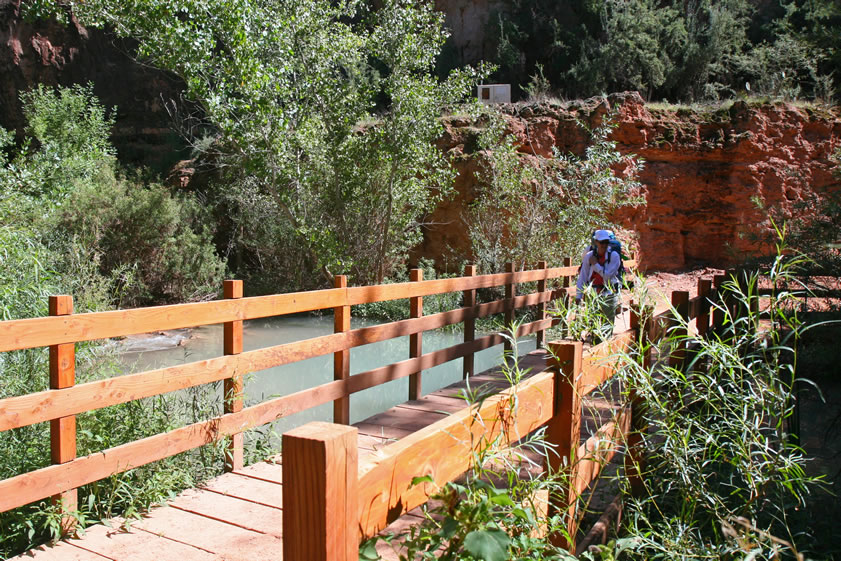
(238, 516)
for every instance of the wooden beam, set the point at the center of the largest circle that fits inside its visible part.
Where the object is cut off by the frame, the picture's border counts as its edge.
(341, 358)
(677, 331)
(320, 500)
(564, 431)
(510, 293)
(416, 339)
(446, 449)
(469, 322)
(702, 321)
(63, 429)
(541, 308)
(233, 387)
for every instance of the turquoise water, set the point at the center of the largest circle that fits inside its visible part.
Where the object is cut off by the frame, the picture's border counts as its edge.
(206, 342)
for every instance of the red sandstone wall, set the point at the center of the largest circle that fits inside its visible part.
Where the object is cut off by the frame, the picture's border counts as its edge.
(702, 174)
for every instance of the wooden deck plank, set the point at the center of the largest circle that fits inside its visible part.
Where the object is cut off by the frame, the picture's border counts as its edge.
(229, 541)
(245, 514)
(62, 551)
(435, 402)
(248, 489)
(379, 431)
(412, 419)
(270, 471)
(138, 545)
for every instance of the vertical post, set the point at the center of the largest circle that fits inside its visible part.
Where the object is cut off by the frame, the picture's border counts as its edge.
(320, 501)
(541, 308)
(469, 323)
(63, 430)
(702, 322)
(232, 387)
(718, 312)
(565, 283)
(635, 453)
(341, 359)
(567, 263)
(415, 340)
(510, 293)
(677, 333)
(564, 431)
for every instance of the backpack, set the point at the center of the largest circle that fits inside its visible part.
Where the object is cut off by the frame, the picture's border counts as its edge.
(613, 244)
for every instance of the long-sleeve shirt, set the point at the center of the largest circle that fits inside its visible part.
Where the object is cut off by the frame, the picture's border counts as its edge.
(608, 271)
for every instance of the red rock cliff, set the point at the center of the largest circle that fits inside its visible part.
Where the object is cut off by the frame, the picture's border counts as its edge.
(704, 171)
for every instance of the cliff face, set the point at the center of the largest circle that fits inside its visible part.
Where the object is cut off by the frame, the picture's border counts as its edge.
(53, 54)
(704, 172)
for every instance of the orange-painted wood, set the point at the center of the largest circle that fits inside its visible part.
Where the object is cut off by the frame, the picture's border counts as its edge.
(510, 293)
(468, 366)
(677, 332)
(702, 321)
(416, 340)
(600, 363)
(233, 386)
(46, 331)
(444, 450)
(720, 300)
(564, 431)
(320, 500)
(63, 429)
(341, 358)
(567, 278)
(541, 308)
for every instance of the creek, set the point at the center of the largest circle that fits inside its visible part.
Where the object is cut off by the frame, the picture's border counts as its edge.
(202, 343)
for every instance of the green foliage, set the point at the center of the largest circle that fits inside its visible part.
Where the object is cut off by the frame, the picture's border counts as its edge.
(526, 211)
(154, 247)
(691, 51)
(109, 238)
(70, 225)
(724, 475)
(67, 140)
(326, 116)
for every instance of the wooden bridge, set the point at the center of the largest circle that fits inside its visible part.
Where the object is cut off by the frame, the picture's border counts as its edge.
(337, 484)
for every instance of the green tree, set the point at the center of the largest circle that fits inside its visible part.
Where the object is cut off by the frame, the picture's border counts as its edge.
(529, 209)
(289, 87)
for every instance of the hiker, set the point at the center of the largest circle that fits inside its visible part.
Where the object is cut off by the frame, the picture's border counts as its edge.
(600, 271)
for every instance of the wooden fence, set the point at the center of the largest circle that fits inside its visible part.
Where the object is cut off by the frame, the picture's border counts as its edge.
(331, 502)
(63, 329)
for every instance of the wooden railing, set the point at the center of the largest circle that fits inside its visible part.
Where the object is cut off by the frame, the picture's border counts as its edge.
(331, 502)
(62, 330)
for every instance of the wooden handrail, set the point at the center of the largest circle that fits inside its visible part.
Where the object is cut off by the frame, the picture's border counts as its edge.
(65, 402)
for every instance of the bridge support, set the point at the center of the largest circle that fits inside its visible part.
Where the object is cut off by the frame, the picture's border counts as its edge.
(320, 500)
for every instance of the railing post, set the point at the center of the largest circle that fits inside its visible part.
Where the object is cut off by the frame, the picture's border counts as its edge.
(677, 333)
(541, 308)
(341, 359)
(635, 453)
(510, 293)
(416, 339)
(702, 322)
(469, 323)
(565, 283)
(721, 301)
(232, 387)
(63, 430)
(567, 263)
(564, 431)
(320, 501)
